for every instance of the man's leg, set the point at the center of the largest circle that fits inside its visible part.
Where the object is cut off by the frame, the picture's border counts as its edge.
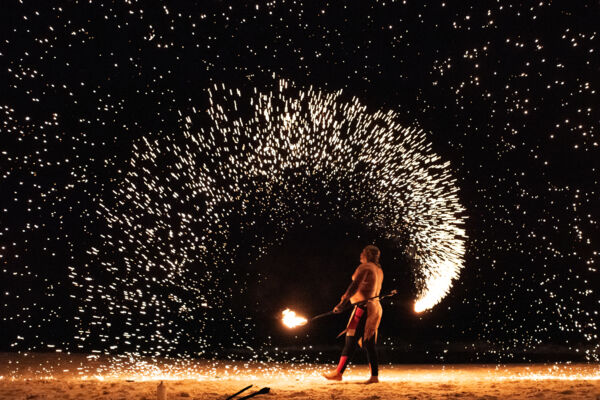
(347, 353)
(354, 332)
(373, 362)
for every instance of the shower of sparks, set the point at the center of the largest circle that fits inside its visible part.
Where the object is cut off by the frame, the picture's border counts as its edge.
(291, 320)
(257, 160)
(130, 181)
(35, 367)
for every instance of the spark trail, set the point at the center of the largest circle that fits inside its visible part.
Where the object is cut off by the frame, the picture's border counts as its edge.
(258, 152)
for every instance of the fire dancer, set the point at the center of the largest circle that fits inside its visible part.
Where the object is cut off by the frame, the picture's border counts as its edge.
(366, 316)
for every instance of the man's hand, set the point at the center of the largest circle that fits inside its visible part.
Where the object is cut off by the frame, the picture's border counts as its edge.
(341, 305)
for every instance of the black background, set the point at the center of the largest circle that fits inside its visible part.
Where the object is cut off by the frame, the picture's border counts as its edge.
(529, 180)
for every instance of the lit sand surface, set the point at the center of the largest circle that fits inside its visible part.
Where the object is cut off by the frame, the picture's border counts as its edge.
(61, 376)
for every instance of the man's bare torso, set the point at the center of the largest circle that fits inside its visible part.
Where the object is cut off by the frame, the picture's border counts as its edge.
(371, 278)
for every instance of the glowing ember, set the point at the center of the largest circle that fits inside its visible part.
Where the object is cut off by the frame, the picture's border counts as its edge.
(291, 320)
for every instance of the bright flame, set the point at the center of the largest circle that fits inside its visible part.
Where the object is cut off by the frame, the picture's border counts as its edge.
(291, 320)
(419, 308)
(438, 280)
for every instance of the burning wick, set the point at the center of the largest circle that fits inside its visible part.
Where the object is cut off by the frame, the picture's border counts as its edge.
(291, 320)
(419, 308)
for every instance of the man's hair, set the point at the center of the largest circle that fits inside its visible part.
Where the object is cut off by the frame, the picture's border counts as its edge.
(372, 254)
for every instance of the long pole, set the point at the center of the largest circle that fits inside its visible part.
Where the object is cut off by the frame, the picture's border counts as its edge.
(358, 303)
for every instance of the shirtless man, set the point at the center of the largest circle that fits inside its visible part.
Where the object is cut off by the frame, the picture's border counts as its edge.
(365, 319)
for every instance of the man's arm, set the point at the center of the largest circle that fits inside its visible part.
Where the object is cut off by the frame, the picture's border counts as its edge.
(352, 289)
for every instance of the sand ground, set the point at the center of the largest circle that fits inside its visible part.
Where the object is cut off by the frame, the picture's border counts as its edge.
(54, 376)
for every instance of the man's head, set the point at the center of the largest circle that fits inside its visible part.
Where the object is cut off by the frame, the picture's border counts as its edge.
(370, 254)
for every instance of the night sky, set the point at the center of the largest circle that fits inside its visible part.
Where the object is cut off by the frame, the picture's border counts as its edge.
(174, 175)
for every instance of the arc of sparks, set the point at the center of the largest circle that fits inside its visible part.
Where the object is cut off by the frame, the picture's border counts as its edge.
(245, 155)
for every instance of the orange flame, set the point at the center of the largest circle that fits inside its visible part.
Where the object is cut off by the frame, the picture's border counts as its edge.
(291, 320)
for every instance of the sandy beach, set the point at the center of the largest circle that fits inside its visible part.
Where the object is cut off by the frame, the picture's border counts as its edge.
(58, 376)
